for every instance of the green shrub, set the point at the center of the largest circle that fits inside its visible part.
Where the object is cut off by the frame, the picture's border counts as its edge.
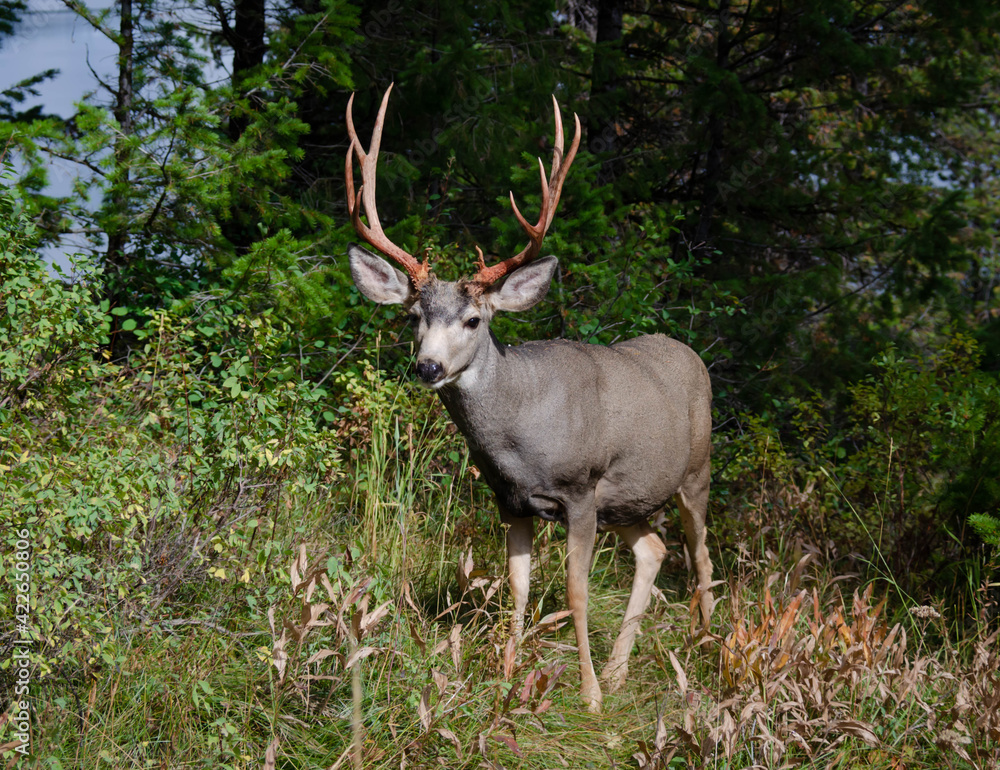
(987, 527)
(927, 441)
(890, 486)
(135, 477)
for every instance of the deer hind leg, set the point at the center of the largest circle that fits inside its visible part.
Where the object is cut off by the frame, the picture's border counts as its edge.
(520, 536)
(692, 500)
(649, 552)
(581, 532)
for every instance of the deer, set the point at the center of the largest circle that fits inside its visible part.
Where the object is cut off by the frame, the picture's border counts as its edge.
(597, 438)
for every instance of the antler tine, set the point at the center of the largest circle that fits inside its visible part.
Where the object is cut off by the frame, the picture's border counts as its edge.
(373, 233)
(533, 229)
(551, 190)
(561, 162)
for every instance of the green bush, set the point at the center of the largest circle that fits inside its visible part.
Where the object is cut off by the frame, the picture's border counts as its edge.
(136, 477)
(927, 441)
(987, 527)
(887, 484)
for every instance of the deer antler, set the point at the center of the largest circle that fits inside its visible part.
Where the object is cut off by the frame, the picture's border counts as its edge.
(551, 190)
(372, 233)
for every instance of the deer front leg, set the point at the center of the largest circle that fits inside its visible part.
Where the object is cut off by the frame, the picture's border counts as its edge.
(649, 552)
(581, 531)
(520, 536)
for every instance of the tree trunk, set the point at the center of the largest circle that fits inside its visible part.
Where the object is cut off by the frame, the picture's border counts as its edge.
(247, 38)
(114, 257)
(604, 124)
(249, 47)
(716, 144)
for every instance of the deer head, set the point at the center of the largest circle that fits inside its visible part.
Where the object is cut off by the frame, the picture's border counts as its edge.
(450, 318)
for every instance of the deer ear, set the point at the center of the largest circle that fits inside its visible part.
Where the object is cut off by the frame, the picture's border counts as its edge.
(377, 279)
(525, 286)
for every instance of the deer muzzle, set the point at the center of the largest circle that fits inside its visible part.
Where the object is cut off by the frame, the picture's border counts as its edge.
(430, 372)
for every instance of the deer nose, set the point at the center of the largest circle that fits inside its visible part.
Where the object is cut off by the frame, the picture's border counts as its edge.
(430, 371)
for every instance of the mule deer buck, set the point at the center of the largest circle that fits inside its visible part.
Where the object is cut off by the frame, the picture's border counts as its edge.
(598, 438)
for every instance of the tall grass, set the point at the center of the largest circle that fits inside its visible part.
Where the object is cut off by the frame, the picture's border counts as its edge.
(378, 639)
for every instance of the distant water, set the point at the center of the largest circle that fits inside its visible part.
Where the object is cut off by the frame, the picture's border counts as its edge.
(50, 36)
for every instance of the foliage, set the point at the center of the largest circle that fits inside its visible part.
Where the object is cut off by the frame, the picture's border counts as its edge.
(987, 527)
(251, 540)
(47, 327)
(931, 428)
(888, 492)
(821, 162)
(10, 16)
(134, 477)
(181, 199)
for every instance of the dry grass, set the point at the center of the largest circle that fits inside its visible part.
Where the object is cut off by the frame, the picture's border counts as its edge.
(360, 668)
(804, 679)
(799, 677)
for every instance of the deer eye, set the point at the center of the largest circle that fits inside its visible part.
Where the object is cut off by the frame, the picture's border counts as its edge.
(472, 323)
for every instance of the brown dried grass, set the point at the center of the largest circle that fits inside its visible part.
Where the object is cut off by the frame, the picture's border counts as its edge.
(802, 680)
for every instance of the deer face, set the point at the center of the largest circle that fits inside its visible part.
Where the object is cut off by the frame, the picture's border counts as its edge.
(450, 326)
(450, 319)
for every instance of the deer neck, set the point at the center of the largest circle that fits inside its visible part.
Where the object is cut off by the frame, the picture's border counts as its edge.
(482, 398)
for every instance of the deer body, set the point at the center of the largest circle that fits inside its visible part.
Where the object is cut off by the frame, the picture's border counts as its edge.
(549, 422)
(597, 438)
